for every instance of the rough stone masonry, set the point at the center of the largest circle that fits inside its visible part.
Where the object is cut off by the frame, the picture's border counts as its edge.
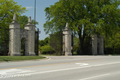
(67, 41)
(16, 34)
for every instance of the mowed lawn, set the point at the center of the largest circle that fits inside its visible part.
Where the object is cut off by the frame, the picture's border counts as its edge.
(19, 58)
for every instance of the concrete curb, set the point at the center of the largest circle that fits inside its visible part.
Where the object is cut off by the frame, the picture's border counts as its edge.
(47, 58)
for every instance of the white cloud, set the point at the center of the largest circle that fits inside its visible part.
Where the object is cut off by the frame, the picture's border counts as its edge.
(29, 7)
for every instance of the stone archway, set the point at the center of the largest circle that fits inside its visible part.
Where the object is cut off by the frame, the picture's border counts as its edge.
(24, 42)
(16, 34)
(23, 47)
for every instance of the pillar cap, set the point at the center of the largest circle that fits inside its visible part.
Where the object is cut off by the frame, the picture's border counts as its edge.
(29, 20)
(66, 27)
(14, 19)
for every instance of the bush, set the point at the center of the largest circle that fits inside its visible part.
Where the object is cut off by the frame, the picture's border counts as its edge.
(47, 50)
(75, 48)
(109, 50)
(117, 48)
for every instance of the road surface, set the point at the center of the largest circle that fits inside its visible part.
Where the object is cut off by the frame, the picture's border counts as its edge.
(63, 68)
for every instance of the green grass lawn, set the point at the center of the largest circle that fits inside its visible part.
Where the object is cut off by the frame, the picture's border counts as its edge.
(50, 55)
(19, 58)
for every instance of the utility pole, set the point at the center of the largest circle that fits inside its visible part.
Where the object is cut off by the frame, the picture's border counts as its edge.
(37, 31)
(34, 12)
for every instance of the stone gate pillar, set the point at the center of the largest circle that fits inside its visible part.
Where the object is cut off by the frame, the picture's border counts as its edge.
(94, 44)
(67, 41)
(31, 37)
(97, 44)
(14, 41)
(101, 45)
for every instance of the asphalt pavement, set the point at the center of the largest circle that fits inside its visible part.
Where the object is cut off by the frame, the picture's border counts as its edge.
(63, 68)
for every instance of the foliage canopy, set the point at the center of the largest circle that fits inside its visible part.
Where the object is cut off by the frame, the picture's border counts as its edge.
(7, 9)
(85, 17)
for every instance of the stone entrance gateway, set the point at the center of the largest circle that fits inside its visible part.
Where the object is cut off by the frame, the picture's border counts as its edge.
(97, 46)
(16, 34)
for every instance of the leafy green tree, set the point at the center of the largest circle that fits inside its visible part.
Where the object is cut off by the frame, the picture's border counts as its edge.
(85, 17)
(44, 42)
(76, 45)
(7, 9)
(111, 41)
(23, 20)
(41, 43)
(47, 40)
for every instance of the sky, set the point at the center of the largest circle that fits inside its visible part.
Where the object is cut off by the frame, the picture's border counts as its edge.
(40, 13)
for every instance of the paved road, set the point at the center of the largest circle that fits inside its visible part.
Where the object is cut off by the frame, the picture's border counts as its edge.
(63, 68)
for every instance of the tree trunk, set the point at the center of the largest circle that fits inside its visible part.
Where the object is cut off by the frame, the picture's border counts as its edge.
(81, 46)
(81, 39)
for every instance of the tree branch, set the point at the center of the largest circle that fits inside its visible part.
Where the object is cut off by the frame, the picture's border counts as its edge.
(3, 17)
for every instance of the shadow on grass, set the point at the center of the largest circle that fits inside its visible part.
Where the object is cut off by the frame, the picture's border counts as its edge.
(6, 60)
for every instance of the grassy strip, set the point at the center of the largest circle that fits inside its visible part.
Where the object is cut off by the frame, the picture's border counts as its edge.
(19, 58)
(49, 55)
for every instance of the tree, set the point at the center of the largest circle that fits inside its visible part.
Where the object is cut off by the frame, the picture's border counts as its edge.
(76, 45)
(112, 44)
(85, 17)
(7, 9)
(44, 42)
(23, 20)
